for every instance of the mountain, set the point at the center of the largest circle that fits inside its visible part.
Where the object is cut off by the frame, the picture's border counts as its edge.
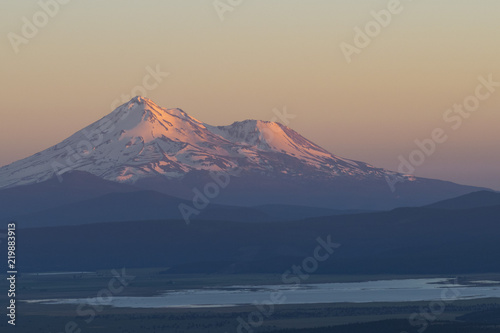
(131, 206)
(403, 241)
(141, 206)
(140, 140)
(75, 187)
(471, 200)
(167, 150)
(290, 213)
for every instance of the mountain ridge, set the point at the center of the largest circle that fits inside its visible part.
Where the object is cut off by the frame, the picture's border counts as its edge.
(471, 200)
(166, 150)
(140, 139)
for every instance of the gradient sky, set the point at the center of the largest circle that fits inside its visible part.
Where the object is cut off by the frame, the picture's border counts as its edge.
(266, 54)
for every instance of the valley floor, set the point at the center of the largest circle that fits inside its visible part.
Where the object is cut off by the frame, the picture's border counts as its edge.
(460, 316)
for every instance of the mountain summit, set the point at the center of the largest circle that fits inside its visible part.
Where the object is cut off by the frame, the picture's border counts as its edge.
(140, 139)
(168, 150)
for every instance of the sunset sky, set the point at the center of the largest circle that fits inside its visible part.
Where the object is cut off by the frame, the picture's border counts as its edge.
(265, 54)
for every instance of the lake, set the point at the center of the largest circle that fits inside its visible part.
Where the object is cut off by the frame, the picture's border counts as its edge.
(358, 292)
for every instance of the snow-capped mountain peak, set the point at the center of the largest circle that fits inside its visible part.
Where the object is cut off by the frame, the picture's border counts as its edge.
(140, 140)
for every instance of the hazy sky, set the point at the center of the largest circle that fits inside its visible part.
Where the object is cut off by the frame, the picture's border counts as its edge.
(265, 54)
